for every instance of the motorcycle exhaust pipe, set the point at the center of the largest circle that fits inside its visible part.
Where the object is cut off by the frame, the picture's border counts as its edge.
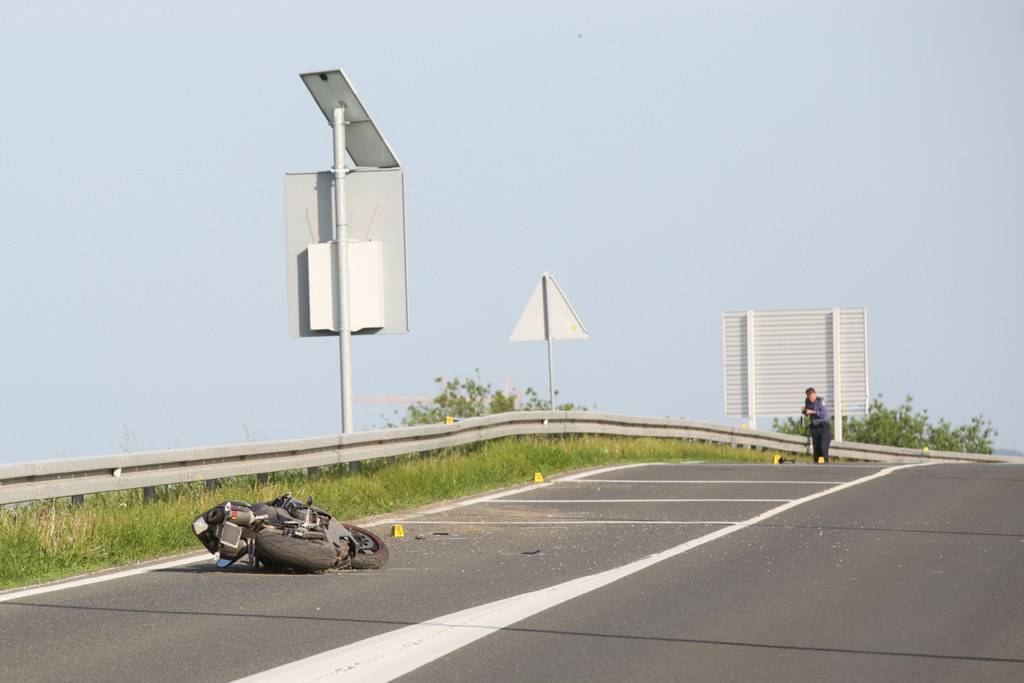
(241, 516)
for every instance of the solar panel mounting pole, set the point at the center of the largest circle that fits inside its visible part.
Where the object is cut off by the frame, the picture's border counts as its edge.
(356, 138)
(341, 237)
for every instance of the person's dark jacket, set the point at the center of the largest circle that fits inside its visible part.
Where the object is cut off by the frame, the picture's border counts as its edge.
(821, 415)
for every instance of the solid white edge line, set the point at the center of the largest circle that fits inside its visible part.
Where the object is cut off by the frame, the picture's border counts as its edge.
(767, 465)
(396, 653)
(101, 578)
(539, 501)
(565, 522)
(696, 481)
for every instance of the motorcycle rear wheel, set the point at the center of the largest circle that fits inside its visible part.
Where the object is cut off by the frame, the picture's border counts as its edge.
(371, 553)
(275, 549)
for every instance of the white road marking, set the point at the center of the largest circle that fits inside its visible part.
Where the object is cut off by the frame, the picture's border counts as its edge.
(696, 481)
(89, 580)
(510, 492)
(539, 501)
(604, 470)
(789, 466)
(396, 653)
(564, 522)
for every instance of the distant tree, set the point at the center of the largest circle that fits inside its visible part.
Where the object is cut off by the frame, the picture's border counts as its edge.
(904, 427)
(472, 397)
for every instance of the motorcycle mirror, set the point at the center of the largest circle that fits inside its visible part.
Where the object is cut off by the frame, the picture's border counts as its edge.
(309, 501)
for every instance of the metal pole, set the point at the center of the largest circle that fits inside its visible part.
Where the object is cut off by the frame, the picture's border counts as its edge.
(837, 372)
(547, 336)
(867, 388)
(751, 372)
(341, 238)
(551, 375)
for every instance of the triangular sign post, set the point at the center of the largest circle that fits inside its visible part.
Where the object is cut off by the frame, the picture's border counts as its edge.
(549, 316)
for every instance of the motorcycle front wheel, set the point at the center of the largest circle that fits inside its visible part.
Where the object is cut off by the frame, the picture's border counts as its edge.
(371, 553)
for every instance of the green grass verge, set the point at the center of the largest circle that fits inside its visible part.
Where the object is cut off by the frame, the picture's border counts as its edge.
(53, 539)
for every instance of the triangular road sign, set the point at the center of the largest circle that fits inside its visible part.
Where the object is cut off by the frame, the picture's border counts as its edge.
(548, 315)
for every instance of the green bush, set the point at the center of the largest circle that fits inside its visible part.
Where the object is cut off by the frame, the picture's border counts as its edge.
(905, 427)
(471, 397)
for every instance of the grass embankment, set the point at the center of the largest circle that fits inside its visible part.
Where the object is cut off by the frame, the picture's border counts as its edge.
(53, 539)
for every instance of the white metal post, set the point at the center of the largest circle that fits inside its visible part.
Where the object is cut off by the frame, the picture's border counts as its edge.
(547, 336)
(751, 374)
(341, 237)
(867, 375)
(837, 372)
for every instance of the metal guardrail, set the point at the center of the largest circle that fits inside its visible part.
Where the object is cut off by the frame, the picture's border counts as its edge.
(79, 476)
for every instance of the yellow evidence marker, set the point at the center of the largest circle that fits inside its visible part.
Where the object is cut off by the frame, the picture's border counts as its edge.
(449, 420)
(397, 531)
(776, 459)
(538, 478)
(821, 459)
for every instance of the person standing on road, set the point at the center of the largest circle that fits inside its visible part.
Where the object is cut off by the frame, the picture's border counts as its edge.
(821, 431)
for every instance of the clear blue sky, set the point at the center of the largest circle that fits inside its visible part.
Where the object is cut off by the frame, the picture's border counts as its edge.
(667, 161)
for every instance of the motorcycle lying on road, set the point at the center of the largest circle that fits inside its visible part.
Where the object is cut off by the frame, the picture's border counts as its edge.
(286, 533)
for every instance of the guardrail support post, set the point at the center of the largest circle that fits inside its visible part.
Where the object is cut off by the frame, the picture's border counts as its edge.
(312, 471)
(148, 494)
(78, 500)
(211, 484)
(262, 478)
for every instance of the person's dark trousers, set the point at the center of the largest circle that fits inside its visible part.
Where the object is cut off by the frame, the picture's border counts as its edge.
(821, 437)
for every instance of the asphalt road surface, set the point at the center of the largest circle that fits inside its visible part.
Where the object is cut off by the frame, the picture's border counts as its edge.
(692, 572)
